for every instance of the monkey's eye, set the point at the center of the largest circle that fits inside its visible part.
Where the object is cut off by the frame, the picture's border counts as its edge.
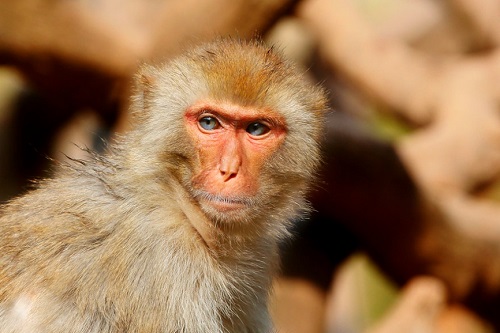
(209, 123)
(257, 129)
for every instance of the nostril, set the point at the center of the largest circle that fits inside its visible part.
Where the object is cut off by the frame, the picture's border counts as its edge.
(227, 175)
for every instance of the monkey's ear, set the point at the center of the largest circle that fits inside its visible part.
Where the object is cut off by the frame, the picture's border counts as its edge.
(145, 82)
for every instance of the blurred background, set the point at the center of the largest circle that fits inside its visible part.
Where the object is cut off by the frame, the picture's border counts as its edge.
(405, 233)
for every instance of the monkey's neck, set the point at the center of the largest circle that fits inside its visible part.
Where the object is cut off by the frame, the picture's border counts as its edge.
(203, 226)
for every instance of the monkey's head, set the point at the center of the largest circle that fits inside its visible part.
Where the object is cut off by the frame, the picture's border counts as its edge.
(236, 124)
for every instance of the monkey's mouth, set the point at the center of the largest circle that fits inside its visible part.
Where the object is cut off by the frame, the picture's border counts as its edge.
(223, 203)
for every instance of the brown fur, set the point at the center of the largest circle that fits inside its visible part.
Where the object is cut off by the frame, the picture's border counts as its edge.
(119, 244)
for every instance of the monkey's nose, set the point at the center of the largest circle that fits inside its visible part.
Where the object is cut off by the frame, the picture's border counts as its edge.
(229, 168)
(229, 165)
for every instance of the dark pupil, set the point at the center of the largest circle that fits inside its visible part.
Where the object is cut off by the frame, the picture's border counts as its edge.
(257, 129)
(208, 123)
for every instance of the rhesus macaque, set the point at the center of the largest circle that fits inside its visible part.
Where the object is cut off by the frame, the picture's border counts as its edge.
(175, 229)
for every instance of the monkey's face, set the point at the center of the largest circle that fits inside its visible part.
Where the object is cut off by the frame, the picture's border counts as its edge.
(232, 143)
(236, 125)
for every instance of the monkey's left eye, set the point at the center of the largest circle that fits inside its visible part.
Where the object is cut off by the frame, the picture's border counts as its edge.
(257, 129)
(209, 123)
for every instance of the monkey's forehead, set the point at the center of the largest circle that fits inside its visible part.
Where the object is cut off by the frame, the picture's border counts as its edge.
(248, 74)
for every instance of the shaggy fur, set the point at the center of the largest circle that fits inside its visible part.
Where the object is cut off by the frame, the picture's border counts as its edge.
(110, 244)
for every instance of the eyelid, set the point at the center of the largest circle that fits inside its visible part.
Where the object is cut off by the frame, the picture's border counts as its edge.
(269, 123)
(210, 113)
(272, 123)
(206, 113)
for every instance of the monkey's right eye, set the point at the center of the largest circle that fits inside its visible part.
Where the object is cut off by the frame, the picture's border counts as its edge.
(209, 123)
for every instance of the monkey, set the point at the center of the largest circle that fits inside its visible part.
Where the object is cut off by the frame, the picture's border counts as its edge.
(175, 228)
